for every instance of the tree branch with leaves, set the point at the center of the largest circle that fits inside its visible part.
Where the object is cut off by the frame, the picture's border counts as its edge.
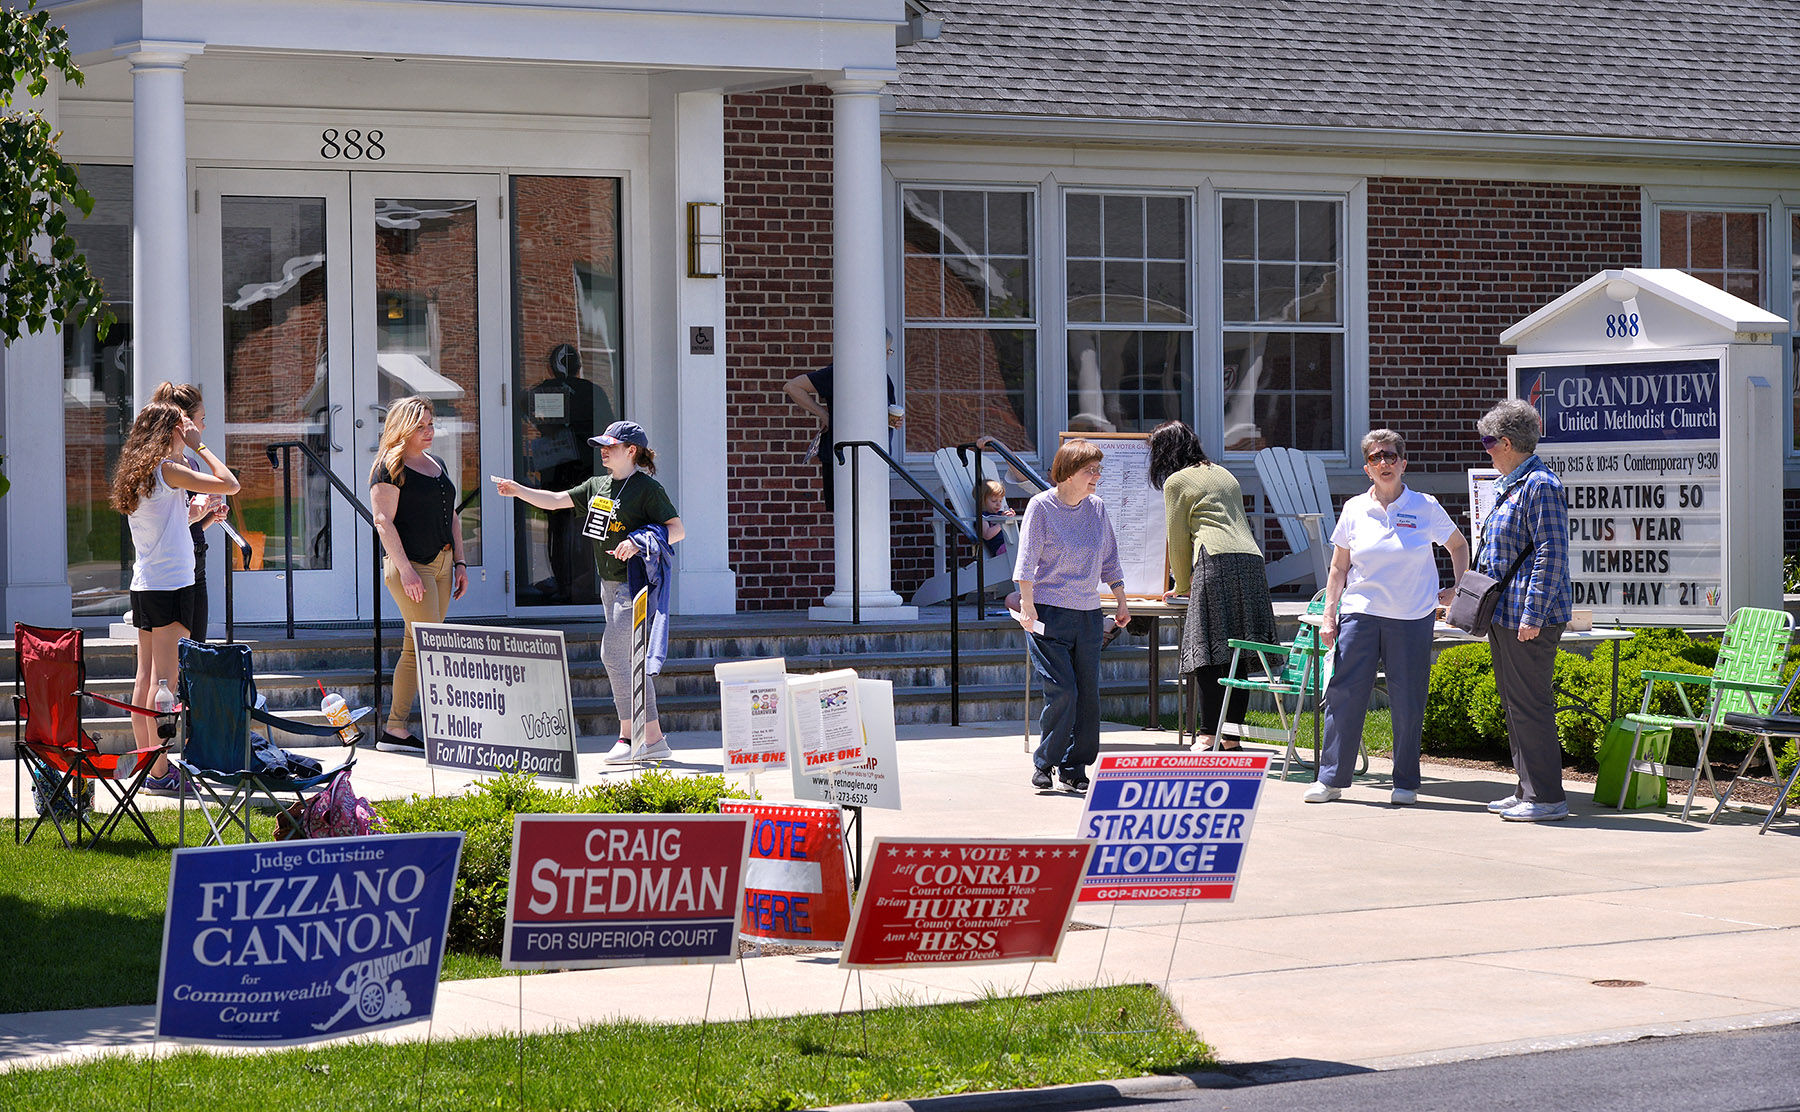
(44, 277)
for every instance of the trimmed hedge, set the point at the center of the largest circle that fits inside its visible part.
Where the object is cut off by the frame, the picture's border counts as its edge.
(485, 816)
(1463, 715)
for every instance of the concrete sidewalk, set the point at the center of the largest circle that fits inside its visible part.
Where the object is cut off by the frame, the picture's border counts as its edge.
(1363, 933)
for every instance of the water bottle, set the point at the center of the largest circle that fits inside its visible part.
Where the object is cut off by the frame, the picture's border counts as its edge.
(337, 712)
(165, 704)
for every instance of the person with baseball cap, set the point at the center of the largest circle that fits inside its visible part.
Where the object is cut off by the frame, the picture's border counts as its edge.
(632, 523)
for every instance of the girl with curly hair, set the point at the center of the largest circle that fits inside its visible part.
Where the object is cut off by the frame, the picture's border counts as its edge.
(150, 487)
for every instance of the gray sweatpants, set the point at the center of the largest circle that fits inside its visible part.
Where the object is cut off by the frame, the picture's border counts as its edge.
(615, 654)
(1525, 673)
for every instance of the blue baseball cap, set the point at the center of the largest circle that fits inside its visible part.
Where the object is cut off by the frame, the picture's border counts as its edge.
(622, 432)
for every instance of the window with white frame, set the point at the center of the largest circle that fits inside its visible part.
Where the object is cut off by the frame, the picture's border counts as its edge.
(970, 317)
(1130, 330)
(1281, 266)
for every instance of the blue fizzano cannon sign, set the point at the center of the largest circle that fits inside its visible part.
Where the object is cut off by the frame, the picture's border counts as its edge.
(291, 942)
(1169, 826)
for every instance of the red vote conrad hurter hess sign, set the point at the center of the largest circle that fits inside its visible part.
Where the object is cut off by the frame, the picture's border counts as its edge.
(965, 900)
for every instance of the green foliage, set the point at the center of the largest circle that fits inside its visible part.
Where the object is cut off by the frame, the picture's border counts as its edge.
(485, 816)
(1452, 693)
(1463, 714)
(44, 278)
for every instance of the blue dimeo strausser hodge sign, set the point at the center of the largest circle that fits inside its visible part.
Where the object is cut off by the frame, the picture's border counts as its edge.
(300, 941)
(1637, 446)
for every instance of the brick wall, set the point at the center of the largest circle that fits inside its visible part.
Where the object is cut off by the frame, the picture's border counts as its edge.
(778, 315)
(1452, 264)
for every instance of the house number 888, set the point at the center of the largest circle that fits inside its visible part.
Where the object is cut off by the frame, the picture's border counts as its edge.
(351, 144)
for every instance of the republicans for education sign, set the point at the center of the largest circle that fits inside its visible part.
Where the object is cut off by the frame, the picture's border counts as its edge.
(1170, 826)
(292, 942)
(590, 891)
(496, 700)
(796, 889)
(963, 900)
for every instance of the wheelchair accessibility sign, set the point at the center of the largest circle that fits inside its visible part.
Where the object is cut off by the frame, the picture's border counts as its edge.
(274, 944)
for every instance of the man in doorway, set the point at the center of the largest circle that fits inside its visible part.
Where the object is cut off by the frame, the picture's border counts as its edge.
(813, 392)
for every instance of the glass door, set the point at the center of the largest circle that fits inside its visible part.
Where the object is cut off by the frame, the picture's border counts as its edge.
(429, 272)
(338, 294)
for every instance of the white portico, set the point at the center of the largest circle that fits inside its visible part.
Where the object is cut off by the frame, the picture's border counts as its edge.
(318, 206)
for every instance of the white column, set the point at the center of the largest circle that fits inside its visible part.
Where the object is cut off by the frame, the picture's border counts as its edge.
(34, 580)
(162, 343)
(688, 160)
(859, 353)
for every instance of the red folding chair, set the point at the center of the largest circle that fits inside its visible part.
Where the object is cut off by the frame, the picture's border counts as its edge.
(61, 757)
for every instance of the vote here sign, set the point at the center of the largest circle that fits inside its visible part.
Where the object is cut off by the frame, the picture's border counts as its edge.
(796, 889)
(935, 901)
(597, 890)
(292, 942)
(1169, 826)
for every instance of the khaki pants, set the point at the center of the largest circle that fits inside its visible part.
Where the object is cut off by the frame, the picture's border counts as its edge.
(437, 577)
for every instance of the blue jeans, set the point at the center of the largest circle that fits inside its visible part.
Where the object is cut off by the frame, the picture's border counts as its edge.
(1067, 658)
(1366, 643)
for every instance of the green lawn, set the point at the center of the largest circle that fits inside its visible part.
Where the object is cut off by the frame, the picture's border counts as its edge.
(895, 1052)
(98, 914)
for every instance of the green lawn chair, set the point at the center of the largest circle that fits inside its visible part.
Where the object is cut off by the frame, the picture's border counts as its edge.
(1288, 679)
(1746, 679)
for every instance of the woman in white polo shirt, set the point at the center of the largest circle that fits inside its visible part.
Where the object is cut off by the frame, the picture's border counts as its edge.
(1380, 602)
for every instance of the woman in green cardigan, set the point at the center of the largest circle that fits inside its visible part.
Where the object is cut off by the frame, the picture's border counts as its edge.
(1216, 564)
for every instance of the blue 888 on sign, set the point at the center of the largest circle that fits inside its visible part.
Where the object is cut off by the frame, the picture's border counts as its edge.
(1621, 325)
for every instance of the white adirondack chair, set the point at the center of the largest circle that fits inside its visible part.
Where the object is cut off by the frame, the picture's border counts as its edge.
(958, 480)
(1295, 485)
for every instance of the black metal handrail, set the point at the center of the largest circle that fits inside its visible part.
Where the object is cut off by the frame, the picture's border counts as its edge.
(285, 466)
(943, 511)
(243, 547)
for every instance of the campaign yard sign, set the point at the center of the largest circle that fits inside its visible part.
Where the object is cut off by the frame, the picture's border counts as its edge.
(590, 891)
(293, 942)
(934, 901)
(1169, 826)
(876, 781)
(796, 890)
(496, 700)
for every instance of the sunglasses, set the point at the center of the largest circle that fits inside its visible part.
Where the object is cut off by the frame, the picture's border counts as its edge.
(1386, 455)
(1488, 442)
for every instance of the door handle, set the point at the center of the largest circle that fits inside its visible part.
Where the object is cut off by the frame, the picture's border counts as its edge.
(331, 428)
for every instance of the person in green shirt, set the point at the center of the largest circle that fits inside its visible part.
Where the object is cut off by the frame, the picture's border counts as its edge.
(616, 504)
(1214, 561)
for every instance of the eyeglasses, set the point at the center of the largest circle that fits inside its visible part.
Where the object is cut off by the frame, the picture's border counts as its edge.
(1488, 442)
(1386, 455)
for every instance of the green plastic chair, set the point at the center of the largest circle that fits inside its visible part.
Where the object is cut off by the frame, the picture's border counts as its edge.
(1287, 678)
(1746, 679)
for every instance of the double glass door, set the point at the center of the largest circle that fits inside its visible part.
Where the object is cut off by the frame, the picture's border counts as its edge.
(337, 294)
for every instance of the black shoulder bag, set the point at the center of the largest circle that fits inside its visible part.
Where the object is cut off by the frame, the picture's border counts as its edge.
(1478, 595)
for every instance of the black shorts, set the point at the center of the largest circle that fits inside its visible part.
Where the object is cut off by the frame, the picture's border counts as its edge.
(155, 609)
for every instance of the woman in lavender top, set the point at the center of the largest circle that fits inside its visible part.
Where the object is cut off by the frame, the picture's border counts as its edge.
(1066, 550)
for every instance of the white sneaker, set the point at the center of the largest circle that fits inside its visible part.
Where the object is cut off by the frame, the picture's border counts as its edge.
(1321, 793)
(1403, 797)
(1536, 812)
(620, 753)
(1500, 806)
(660, 751)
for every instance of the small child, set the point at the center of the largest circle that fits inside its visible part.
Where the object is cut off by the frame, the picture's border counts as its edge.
(993, 509)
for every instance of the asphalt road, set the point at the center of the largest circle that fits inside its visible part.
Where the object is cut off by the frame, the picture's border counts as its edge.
(1738, 1071)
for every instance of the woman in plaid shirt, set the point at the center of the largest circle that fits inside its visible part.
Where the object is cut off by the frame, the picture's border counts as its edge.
(1531, 517)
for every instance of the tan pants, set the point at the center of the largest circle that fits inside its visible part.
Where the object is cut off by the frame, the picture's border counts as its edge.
(437, 577)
